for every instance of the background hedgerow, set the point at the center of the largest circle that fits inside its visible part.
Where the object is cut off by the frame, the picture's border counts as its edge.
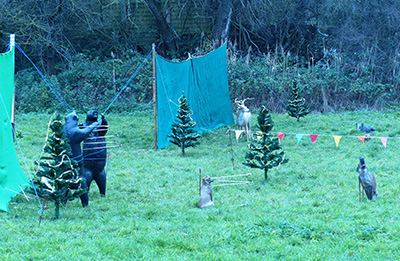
(334, 83)
(88, 83)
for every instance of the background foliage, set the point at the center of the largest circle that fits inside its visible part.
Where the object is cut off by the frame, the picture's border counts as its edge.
(329, 85)
(345, 55)
(89, 83)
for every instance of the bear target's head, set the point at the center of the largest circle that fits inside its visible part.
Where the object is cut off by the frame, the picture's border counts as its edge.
(92, 115)
(72, 117)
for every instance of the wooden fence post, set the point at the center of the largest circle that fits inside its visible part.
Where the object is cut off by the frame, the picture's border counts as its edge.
(155, 97)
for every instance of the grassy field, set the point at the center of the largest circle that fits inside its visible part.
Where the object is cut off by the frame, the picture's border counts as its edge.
(306, 210)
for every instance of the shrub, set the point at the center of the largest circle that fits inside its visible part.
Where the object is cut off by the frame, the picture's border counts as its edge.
(88, 83)
(333, 83)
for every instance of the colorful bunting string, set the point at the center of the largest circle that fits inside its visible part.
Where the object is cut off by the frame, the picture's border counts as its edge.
(314, 137)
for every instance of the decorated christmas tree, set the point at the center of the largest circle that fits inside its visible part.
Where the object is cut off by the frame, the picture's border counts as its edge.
(265, 150)
(183, 132)
(297, 106)
(57, 175)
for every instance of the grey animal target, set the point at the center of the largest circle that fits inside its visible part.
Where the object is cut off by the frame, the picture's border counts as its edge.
(206, 198)
(95, 152)
(365, 129)
(75, 136)
(367, 180)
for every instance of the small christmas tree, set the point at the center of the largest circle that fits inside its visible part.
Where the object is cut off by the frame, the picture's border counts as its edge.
(265, 150)
(296, 106)
(183, 132)
(57, 175)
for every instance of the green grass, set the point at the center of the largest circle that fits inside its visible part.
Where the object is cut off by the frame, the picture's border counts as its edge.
(306, 210)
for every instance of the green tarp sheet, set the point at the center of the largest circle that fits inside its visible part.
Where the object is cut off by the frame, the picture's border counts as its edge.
(205, 83)
(12, 178)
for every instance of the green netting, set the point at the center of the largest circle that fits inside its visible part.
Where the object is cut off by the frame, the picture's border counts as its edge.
(205, 83)
(12, 178)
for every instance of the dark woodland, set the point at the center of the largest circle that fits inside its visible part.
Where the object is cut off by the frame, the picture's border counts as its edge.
(345, 55)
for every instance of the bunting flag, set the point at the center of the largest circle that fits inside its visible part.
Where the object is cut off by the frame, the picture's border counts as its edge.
(299, 137)
(384, 140)
(280, 135)
(313, 137)
(337, 140)
(238, 133)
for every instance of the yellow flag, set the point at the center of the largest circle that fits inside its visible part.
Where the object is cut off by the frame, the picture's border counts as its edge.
(337, 140)
(238, 133)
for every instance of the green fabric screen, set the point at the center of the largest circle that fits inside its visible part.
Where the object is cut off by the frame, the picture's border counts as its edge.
(12, 178)
(205, 83)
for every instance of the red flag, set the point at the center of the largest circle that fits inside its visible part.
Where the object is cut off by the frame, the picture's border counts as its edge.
(313, 137)
(280, 135)
(361, 138)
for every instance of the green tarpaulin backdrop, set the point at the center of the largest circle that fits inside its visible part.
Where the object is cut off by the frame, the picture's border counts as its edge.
(12, 178)
(205, 83)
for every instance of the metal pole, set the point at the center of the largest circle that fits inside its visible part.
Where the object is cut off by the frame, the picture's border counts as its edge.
(155, 97)
(200, 181)
(230, 139)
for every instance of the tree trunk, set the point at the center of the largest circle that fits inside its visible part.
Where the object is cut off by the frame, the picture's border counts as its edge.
(222, 24)
(50, 60)
(324, 100)
(266, 174)
(57, 212)
(183, 148)
(123, 17)
(163, 27)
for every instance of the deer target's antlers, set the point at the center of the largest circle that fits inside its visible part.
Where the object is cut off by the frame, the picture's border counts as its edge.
(241, 102)
(238, 102)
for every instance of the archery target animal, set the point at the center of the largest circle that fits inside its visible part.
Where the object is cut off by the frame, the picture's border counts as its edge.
(367, 180)
(206, 198)
(95, 152)
(75, 136)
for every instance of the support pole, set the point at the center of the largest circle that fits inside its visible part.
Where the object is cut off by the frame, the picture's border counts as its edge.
(155, 97)
(200, 181)
(12, 43)
(230, 139)
(13, 115)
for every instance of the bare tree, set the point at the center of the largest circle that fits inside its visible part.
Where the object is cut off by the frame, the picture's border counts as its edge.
(165, 31)
(222, 22)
